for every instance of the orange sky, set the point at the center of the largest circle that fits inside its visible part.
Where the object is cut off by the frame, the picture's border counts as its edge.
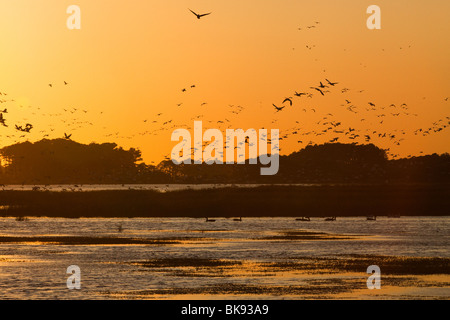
(131, 59)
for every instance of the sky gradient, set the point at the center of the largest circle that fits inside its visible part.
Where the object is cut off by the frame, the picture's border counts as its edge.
(131, 59)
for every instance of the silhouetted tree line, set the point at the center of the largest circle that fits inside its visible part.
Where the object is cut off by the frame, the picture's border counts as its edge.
(62, 161)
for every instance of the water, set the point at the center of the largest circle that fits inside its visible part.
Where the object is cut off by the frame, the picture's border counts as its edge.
(38, 271)
(155, 187)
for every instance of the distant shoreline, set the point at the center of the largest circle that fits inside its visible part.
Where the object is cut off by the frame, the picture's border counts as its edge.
(70, 187)
(261, 201)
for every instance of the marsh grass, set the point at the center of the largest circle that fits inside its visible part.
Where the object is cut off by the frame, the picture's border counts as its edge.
(275, 200)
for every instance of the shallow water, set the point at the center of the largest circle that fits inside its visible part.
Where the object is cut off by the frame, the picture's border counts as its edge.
(155, 187)
(38, 270)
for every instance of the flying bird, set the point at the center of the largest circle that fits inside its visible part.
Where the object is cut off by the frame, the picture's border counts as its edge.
(289, 100)
(2, 120)
(318, 90)
(199, 15)
(278, 108)
(331, 83)
(66, 136)
(299, 94)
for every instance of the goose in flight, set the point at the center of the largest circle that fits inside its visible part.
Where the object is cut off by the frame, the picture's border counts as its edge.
(288, 100)
(66, 136)
(27, 128)
(278, 108)
(321, 92)
(331, 83)
(199, 15)
(2, 120)
(299, 94)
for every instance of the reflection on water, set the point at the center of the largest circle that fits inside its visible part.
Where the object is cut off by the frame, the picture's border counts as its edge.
(37, 269)
(155, 187)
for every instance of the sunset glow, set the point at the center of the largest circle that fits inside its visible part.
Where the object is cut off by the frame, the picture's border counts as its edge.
(130, 61)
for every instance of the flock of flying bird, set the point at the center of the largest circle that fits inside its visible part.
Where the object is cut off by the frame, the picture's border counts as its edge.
(26, 129)
(326, 125)
(373, 111)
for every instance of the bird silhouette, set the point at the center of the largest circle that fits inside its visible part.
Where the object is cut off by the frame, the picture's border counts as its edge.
(2, 120)
(27, 128)
(331, 83)
(199, 15)
(66, 136)
(278, 108)
(321, 92)
(289, 100)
